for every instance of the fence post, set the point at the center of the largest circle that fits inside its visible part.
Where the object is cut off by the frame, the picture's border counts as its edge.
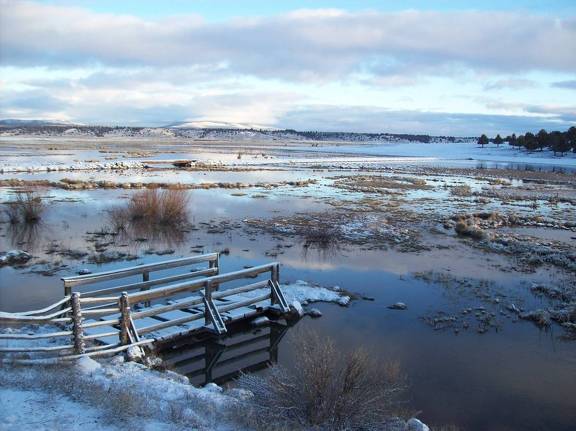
(145, 278)
(77, 331)
(276, 273)
(208, 297)
(124, 304)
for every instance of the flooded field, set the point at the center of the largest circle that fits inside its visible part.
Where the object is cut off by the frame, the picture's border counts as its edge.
(483, 258)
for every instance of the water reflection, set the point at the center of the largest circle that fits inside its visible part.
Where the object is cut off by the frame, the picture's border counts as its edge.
(220, 360)
(25, 235)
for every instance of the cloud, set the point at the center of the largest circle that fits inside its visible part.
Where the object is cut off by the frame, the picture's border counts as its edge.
(29, 104)
(302, 45)
(513, 84)
(377, 120)
(571, 85)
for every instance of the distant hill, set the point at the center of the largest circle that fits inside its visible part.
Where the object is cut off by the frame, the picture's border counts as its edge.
(209, 130)
(216, 125)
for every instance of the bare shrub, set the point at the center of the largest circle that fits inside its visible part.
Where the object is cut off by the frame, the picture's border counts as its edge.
(321, 236)
(155, 207)
(329, 390)
(462, 191)
(27, 208)
(469, 229)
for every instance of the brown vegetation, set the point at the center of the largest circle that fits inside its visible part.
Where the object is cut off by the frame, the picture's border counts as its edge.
(27, 208)
(153, 207)
(328, 390)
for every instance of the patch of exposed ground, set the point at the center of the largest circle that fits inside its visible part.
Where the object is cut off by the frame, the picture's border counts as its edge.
(488, 305)
(325, 230)
(70, 184)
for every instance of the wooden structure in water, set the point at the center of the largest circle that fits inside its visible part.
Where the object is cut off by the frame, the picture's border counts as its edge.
(99, 317)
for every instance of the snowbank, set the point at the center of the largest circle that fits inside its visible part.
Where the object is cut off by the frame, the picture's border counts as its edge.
(80, 166)
(436, 151)
(110, 396)
(305, 293)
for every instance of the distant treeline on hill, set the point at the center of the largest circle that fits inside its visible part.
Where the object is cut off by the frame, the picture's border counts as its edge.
(38, 128)
(558, 142)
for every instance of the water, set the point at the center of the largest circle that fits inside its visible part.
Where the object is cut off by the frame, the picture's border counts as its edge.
(516, 377)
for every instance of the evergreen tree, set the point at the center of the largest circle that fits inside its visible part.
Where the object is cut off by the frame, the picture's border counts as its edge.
(530, 142)
(571, 138)
(498, 140)
(483, 140)
(542, 138)
(559, 142)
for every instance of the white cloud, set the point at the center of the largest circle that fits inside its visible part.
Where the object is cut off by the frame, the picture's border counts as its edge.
(308, 44)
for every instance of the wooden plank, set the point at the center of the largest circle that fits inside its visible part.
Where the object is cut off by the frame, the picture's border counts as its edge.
(95, 323)
(66, 358)
(92, 300)
(23, 319)
(80, 280)
(225, 293)
(35, 349)
(44, 310)
(100, 312)
(170, 323)
(245, 302)
(147, 284)
(34, 336)
(164, 292)
(154, 310)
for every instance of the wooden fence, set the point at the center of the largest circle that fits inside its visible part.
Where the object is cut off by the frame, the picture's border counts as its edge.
(142, 312)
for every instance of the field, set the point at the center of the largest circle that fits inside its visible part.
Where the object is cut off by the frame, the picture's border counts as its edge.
(478, 246)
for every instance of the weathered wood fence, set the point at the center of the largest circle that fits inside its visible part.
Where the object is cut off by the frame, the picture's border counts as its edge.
(112, 319)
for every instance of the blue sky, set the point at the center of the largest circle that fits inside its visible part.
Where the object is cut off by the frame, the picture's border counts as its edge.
(224, 9)
(439, 67)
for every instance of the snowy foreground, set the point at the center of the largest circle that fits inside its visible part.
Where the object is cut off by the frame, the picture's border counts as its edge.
(116, 395)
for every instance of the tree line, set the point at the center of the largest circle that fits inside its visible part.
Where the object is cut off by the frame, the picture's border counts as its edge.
(558, 142)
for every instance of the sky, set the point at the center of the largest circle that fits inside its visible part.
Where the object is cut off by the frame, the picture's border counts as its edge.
(437, 67)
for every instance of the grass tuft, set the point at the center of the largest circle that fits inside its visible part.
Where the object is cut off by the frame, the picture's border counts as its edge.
(27, 208)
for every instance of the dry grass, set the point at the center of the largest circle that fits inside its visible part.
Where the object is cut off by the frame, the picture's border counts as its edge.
(462, 191)
(467, 229)
(155, 207)
(329, 390)
(321, 236)
(27, 208)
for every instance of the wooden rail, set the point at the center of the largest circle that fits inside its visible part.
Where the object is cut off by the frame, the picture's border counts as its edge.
(87, 323)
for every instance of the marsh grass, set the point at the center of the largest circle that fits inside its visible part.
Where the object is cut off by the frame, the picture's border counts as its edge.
(461, 191)
(154, 207)
(26, 208)
(328, 390)
(321, 236)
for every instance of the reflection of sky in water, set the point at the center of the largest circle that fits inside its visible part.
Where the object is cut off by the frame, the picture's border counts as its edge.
(251, 154)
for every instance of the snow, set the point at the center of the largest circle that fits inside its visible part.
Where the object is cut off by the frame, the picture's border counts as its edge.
(436, 151)
(14, 257)
(109, 396)
(88, 365)
(304, 293)
(79, 166)
(28, 409)
(416, 425)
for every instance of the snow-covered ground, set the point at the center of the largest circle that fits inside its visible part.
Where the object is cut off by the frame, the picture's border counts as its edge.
(454, 151)
(77, 166)
(112, 395)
